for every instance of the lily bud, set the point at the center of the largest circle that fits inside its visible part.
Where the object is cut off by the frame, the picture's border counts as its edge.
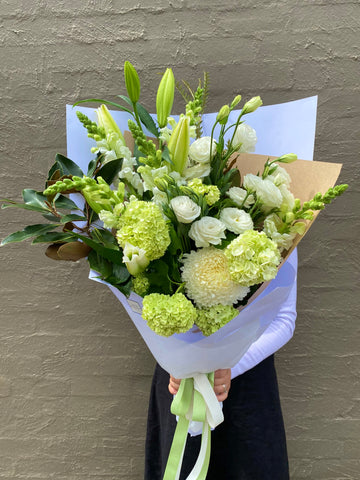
(132, 82)
(179, 144)
(252, 105)
(223, 115)
(236, 100)
(287, 158)
(106, 121)
(165, 97)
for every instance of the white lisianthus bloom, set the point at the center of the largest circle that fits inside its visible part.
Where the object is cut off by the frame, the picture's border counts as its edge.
(135, 259)
(238, 195)
(268, 193)
(245, 135)
(197, 171)
(236, 220)
(185, 209)
(206, 231)
(280, 177)
(288, 200)
(200, 150)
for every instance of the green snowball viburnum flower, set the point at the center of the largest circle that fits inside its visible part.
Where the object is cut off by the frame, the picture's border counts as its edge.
(167, 314)
(209, 320)
(143, 225)
(140, 284)
(253, 258)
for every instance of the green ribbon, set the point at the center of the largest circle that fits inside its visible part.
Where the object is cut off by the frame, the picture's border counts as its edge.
(188, 404)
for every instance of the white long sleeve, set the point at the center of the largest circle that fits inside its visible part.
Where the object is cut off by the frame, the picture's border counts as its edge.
(277, 334)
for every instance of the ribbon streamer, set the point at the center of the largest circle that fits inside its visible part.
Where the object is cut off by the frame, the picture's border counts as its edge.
(195, 400)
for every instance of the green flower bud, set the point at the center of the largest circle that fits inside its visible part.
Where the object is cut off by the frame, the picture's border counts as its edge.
(289, 217)
(223, 115)
(287, 158)
(161, 184)
(132, 82)
(235, 102)
(252, 105)
(179, 144)
(165, 97)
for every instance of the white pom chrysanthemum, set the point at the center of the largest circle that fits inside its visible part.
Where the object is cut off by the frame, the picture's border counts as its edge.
(207, 278)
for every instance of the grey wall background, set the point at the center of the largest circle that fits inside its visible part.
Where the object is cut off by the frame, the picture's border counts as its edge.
(74, 374)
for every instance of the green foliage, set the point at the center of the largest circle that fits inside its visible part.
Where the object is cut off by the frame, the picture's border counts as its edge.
(28, 232)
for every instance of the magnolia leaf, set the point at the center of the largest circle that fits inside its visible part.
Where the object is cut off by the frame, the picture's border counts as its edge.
(99, 264)
(32, 198)
(72, 217)
(54, 237)
(115, 256)
(67, 166)
(73, 251)
(52, 250)
(63, 202)
(91, 167)
(28, 232)
(110, 170)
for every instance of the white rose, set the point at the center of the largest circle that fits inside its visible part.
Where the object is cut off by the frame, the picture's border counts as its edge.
(236, 220)
(185, 209)
(135, 259)
(206, 231)
(245, 135)
(238, 195)
(200, 150)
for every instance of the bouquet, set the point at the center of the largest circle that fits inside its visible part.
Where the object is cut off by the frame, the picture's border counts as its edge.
(187, 230)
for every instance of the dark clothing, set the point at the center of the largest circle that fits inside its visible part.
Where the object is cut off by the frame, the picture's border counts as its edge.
(249, 445)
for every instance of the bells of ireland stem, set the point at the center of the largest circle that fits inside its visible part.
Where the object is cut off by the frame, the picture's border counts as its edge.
(106, 121)
(132, 82)
(252, 105)
(179, 144)
(165, 97)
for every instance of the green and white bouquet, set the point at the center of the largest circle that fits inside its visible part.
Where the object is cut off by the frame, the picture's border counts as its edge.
(184, 227)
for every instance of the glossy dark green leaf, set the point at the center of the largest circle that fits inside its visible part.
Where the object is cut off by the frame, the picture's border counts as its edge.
(120, 273)
(99, 264)
(67, 166)
(63, 202)
(105, 102)
(23, 206)
(54, 237)
(147, 120)
(124, 288)
(157, 273)
(91, 167)
(115, 256)
(110, 170)
(28, 232)
(72, 217)
(33, 198)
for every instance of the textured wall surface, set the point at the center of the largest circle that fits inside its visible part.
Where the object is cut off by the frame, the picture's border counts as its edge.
(74, 374)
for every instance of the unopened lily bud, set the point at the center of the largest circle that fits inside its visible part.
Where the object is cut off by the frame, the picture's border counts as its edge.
(132, 82)
(252, 105)
(106, 121)
(165, 97)
(223, 115)
(236, 101)
(179, 144)
(287, 158)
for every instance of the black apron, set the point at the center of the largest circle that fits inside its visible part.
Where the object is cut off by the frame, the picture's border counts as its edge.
(249, 445)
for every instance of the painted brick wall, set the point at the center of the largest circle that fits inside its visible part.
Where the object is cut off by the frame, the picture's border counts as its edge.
(74, 374)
